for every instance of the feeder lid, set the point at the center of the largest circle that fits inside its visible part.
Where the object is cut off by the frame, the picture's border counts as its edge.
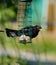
(26, 0)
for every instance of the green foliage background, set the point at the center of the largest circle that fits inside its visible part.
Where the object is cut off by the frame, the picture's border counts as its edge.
(8, 10)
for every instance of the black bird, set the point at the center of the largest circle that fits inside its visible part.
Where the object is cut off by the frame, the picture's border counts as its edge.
(31, 31)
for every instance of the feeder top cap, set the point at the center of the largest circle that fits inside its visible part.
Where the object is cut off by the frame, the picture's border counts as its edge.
(26, 0)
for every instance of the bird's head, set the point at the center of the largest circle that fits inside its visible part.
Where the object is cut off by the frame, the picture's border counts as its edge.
(38, 27)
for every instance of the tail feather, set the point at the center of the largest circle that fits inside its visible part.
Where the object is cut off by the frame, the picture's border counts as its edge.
(11, 33)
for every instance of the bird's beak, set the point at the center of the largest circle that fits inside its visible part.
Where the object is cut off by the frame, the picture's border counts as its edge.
(39, 27)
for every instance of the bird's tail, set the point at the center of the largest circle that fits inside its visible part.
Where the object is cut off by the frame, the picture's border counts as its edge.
(11, 33)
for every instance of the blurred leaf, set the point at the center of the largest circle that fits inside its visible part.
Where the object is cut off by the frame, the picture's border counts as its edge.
(7, 14)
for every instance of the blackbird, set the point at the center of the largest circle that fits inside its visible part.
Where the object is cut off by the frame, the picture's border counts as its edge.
(31, 31)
